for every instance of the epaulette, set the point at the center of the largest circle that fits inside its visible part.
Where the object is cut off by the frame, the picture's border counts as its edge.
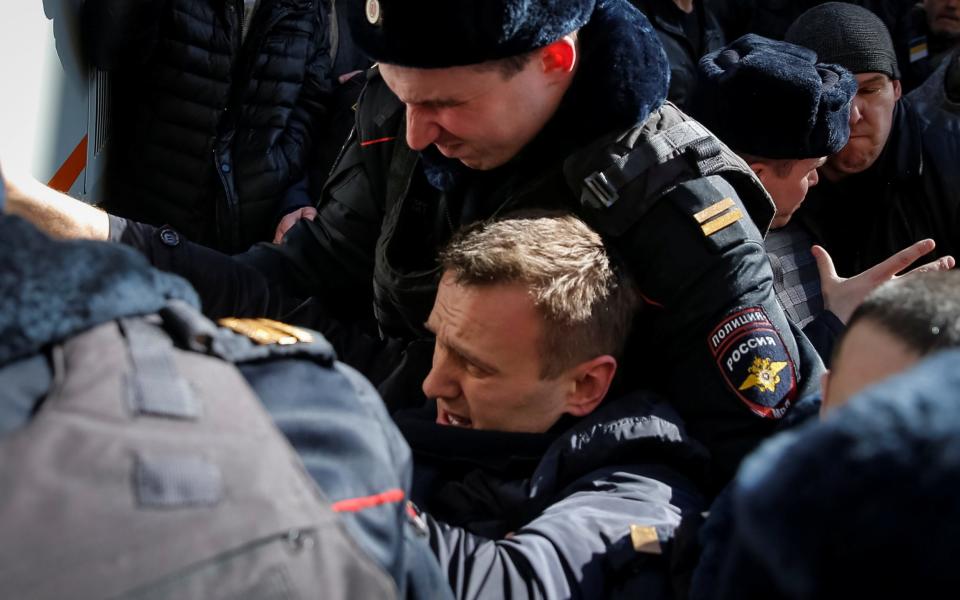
(645, 165)
(240, 340)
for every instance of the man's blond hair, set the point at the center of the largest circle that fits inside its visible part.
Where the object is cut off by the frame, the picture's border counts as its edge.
(587, 304)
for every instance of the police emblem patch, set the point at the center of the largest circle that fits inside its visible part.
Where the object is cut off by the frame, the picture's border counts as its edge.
(754, 362)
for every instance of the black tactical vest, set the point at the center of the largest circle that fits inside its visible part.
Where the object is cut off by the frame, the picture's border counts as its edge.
(611, 184)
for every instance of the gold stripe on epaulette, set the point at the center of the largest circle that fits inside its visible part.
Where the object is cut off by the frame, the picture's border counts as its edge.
(267, 331)
(645, 539)
(711, 227)
(713, 210)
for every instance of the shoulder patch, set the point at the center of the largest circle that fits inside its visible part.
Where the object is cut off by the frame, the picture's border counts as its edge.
(267, 331)
(754, 362)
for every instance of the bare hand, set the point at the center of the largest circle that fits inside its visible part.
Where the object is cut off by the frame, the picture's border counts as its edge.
(307, 212)
(842, 296)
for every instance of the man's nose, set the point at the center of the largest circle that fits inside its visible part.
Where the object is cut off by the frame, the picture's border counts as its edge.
(422, 130)
(855, 115)
(441, 381)
(814, 178)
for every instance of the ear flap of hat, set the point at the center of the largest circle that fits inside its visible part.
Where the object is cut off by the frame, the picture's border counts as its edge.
(832, 129)
(446, 33)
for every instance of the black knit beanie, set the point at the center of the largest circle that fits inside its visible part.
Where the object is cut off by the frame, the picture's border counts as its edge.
(848, 35)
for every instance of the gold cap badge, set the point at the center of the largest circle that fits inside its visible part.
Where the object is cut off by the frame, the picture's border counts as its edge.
(373, 12)
(267, 331)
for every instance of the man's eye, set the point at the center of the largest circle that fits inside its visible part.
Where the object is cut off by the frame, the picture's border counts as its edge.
(474, 369)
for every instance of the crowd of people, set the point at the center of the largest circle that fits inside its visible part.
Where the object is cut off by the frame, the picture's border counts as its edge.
(540, 305)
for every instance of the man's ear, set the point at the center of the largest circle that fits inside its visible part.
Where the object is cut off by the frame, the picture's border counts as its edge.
(897, 90)
(591, 380)
(560, 56)
(759, 169)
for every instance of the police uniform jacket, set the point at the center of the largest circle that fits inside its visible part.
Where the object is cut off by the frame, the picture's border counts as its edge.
(715, 340)
(588, 509)
(911, 192)
(124, 419)
(211, 127)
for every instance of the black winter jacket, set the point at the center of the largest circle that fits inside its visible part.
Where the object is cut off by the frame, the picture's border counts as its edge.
(911, 192)
(587, 510)
(210, 130)
(683, 52)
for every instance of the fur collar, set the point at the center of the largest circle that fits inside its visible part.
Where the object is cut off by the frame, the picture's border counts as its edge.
(50, 290)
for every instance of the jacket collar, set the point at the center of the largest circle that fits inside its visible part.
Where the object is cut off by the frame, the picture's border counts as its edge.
(50, 290)
(901, 161)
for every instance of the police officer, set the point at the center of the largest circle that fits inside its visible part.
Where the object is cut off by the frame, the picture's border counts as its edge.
(756, 86)
(136, 457)
(479, 108)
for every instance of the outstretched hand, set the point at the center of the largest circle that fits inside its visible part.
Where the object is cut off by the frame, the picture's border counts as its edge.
(842, 295)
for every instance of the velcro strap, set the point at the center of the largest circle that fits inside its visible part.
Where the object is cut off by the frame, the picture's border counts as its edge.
(156, 386)
(176, 481)
(601, 189)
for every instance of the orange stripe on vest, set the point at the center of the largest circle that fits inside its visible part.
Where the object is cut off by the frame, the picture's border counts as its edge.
(358, 504)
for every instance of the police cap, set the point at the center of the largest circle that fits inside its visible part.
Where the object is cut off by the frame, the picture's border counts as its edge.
(447, 33)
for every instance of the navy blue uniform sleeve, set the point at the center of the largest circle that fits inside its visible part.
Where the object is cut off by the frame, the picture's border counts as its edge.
(824, 332)
(713, 338)
(579, 547)
(226, 286)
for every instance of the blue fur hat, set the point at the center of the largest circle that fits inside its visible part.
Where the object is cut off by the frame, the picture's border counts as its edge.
(773, 100)
(447, 33)
(865, 504)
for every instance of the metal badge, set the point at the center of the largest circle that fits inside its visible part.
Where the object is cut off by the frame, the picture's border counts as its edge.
(645, 539)
(374, 16)
(723, 213)
(267, 331)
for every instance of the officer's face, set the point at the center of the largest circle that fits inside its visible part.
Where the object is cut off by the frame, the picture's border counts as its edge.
(867, 355)
(480, 117)
(871, 118)
(486, 361)
(943, 16)
(788, 188)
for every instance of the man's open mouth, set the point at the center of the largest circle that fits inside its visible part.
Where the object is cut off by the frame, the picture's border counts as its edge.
(445, 417)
